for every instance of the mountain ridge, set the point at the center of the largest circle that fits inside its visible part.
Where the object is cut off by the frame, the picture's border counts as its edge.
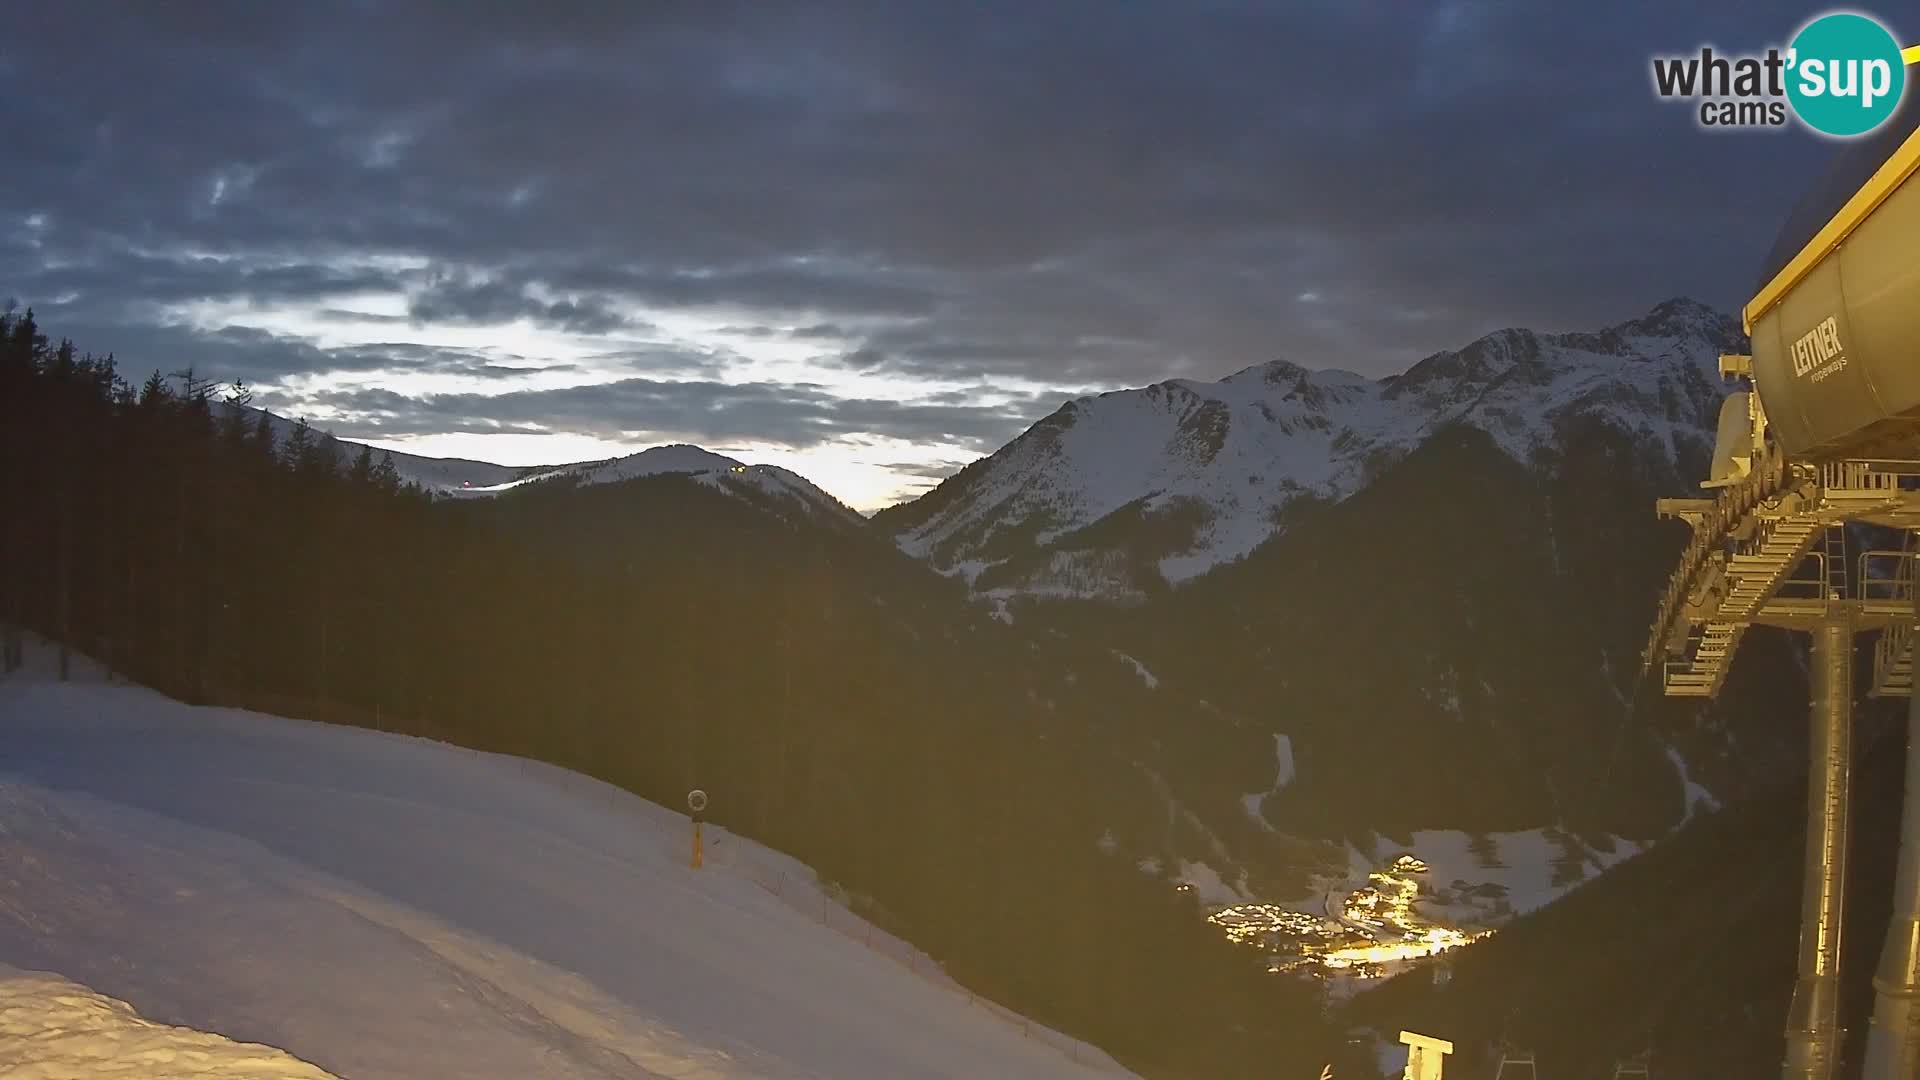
(468, 478)
(1210, 470)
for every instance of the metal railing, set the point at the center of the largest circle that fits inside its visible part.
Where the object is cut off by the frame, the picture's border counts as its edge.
(1729, 505)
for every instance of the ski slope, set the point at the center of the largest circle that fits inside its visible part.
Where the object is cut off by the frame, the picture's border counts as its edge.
(383, 906)
(51, 1028)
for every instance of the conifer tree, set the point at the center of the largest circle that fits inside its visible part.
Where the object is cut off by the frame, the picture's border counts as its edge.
(298, 448)
(263, 436)
(386, 476)
(362, 471)
(155, 393)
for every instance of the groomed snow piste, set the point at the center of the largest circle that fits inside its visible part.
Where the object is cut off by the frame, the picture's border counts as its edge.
(52, 1028)
(382, 906)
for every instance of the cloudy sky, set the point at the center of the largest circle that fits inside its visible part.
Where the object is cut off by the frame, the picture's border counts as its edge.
(869, 241)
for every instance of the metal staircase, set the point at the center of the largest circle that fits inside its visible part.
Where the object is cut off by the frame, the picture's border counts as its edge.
(1893, 663)
(1772, 550)
(1635, 1066)
(1893, 653)
(1753, 574)
(1516, 1064)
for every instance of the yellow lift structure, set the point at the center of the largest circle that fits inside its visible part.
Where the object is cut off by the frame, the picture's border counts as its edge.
(1824, 432)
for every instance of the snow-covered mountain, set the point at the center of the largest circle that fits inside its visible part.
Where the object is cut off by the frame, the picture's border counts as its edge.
(384, 906)
(465, 478)
(1131, 490)
(717, 471)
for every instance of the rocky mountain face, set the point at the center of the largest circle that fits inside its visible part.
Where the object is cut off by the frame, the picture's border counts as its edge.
(1121, 495)
(1429, 591)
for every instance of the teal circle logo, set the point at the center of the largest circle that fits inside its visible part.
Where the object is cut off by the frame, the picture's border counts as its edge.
(1845, 75)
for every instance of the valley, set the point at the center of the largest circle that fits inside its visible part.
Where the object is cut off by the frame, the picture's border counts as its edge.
(1177, 757)
(1174, 540)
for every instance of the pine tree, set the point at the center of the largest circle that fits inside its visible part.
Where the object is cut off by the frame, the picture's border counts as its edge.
(298, 447)
(385, 476)
(155, 393)
(326, 457)
(362, 472)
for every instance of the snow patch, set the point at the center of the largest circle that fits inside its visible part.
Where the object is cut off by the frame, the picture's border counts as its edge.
(1522, 865)
(51, 1027)
(1153, 683)
(1210, 888)
(1283, 755)
(1696, 794)
(1255, 803)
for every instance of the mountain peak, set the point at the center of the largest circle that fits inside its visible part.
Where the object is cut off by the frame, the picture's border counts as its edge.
(1680, 316)
(1133, 490)
(680, 457)
(1273, 371)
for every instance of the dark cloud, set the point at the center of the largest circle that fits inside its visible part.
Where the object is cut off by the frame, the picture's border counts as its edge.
(1068, 193)
(931, 472)
(463, 298)
(245, 354)
(796, 415)
(864, 358)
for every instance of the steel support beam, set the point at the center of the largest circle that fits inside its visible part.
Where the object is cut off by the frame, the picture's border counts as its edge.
(1893, 1038)
(1813, 1021)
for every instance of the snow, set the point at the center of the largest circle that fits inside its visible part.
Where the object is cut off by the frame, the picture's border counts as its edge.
(1696, 794)
(1238, 451)
(53, 1028)
(1139, 669)
(383, 906)
(653, 461)
(1522, 862)
(1391, 1056)
(433, 474)
(717, 471)
(479, 479)
(1255, 803)
(1283, 755)
(1210, 888)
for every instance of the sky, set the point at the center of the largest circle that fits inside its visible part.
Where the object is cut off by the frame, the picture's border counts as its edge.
(869, 241)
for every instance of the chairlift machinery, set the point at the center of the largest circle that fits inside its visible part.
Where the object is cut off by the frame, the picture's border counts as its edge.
(1824, 431)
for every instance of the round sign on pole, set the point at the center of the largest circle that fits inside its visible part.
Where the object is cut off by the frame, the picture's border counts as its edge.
(696, 800)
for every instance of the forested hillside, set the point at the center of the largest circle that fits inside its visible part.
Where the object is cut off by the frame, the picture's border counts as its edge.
(838, 701)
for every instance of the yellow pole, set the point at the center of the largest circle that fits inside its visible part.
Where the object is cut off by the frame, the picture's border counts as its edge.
(696, 845)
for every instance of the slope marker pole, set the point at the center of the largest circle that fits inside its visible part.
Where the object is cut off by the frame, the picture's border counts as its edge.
(697, 803)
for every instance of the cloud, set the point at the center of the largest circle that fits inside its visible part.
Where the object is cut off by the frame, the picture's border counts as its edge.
(1061, 195)
(704, 412)
(465, 298)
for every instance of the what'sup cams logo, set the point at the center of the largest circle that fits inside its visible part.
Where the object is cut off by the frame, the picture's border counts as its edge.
(1842, 75)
